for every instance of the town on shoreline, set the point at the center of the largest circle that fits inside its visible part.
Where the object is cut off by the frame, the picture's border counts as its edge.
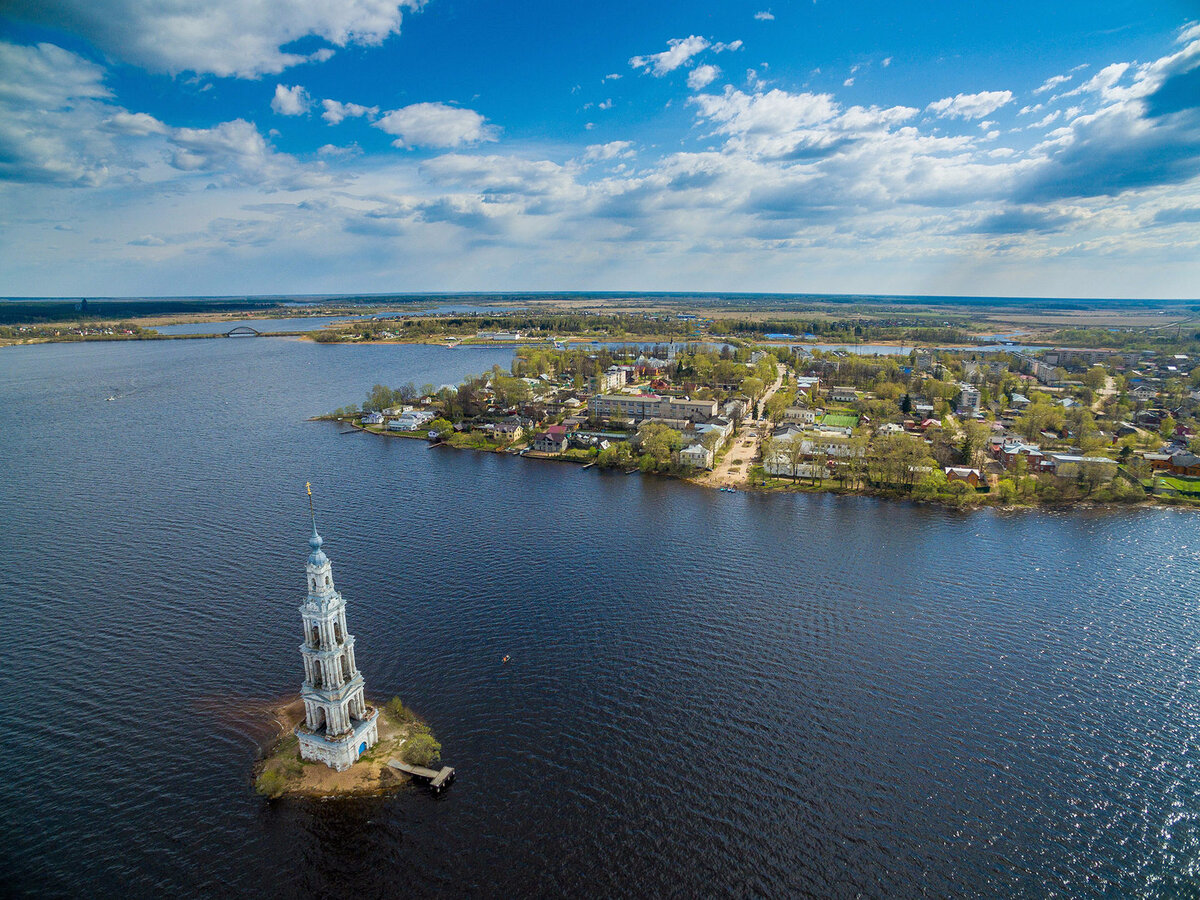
(999, 426)
(942, 399)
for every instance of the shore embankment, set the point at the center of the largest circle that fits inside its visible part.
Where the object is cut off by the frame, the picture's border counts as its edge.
(753, 480)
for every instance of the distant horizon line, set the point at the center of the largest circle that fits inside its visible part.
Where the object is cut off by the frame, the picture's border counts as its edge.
(599, 294)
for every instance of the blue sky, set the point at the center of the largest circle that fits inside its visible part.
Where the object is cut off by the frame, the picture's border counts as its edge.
(183, 147)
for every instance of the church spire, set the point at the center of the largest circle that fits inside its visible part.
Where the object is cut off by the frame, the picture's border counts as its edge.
(317, 557)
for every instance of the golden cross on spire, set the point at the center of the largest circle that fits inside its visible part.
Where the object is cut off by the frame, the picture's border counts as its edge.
(311, 511)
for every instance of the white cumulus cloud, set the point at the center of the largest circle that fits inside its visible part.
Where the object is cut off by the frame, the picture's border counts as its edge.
(59, 125)
(764, 16)
(219, 37)
(702, 76)
(1047, 120)
(611, 150)
(336, 111)
(290, 101)
(970, 106)
(679, 52)
(774, 112)
(436, 125)
(1103, 82)
(1052, 82)
(48, 76)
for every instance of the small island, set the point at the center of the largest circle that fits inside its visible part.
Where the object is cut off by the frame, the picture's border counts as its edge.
(282, 772)
(333, 743)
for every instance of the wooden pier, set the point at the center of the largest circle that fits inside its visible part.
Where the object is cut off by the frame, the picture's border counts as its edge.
(437, 780)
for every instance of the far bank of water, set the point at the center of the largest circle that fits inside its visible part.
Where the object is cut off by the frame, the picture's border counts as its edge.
(319, 323)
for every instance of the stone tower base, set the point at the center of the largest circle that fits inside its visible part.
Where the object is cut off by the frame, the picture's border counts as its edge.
(341, 752)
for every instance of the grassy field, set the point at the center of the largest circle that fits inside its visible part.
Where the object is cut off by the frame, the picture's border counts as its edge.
(840, 420)
(1182, 484)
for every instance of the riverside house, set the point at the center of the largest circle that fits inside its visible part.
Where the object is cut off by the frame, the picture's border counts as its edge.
(509, 429)
(973, 477)
(552, 440)
(411, 420)
(1185, 464)
(1034, 457)
(696, 455)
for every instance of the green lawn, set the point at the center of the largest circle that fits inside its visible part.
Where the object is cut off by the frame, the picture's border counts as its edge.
(472, 440)
(840, 420)
(1179, 483)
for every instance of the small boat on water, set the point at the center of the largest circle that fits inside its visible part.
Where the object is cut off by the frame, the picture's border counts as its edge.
(110, 398)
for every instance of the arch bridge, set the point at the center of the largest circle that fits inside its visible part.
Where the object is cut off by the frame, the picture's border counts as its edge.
(243, 331)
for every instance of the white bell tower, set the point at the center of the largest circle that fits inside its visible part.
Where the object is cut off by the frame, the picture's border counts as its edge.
(338, 724)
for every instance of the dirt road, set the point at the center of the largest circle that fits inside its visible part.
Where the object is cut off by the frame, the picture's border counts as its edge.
(735, 467)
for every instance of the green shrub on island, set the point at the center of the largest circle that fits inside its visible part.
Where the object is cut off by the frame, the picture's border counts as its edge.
(421, 749)
(271, 784)
(400, 713)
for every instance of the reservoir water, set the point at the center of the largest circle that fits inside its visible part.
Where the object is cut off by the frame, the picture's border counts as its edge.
(708, 693)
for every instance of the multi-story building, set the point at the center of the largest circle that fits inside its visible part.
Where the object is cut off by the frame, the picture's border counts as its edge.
(611, 379)
(801, 415)
(650, 406)
(968, 400)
